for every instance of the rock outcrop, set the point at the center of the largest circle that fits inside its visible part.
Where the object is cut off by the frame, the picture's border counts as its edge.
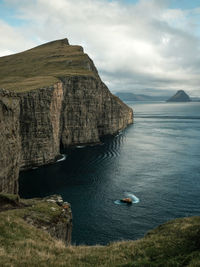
(61, 227)
(54, 97)
(50, 214)
(180, 96)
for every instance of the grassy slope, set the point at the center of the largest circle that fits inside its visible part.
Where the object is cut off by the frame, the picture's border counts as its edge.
(42, 66)
(176, 243)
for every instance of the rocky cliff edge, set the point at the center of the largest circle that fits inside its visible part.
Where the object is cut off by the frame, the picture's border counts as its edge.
(23, 243)
(51, 215)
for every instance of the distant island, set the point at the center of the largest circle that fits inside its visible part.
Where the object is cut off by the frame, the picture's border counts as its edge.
(180, 96)
(128, 96)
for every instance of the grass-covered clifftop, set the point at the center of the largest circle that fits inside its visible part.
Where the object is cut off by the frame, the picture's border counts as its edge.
(176, 243)
(43, 66)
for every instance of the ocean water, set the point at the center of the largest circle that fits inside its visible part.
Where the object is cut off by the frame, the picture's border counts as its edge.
(156, 161)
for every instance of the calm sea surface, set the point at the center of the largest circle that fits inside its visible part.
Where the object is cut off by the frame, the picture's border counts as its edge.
(156, 160)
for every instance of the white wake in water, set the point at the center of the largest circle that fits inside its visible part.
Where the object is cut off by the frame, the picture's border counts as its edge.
(135, 199)
(119, 133)
(63, 157)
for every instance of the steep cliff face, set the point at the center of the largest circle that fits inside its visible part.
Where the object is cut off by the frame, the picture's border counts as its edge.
(90, 111)
(78, 110)
(56, 97)
(40, 112)
(10, 145)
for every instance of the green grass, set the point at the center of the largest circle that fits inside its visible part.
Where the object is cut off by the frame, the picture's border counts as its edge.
(43, 66)
(176, 243)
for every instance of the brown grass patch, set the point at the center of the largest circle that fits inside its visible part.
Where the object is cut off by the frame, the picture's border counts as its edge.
(43, 66)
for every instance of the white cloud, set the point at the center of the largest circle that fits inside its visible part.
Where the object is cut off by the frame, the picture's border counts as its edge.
(12, 39)
(146, 45)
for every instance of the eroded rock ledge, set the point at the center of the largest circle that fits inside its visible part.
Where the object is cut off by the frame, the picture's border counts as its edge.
(50, 214)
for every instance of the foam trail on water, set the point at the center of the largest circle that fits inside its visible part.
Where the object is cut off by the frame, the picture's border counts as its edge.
(80, 146)
(119, 133)
(63, 158)
(133, 197)
(118, 202)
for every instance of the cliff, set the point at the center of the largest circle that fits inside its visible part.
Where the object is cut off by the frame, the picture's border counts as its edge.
(52, 96)
(24, 241)
(180, 96)
(10, 142)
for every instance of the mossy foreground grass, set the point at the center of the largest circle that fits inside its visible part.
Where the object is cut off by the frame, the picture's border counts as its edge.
(43, 66)
(176, 243)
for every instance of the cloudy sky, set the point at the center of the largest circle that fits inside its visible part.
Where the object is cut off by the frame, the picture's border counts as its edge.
(143, 46)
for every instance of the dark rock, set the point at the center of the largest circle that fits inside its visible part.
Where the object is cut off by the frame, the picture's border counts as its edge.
(8, 201)
(60, 226)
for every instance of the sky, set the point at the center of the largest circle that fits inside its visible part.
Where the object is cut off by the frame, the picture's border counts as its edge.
(139, 46)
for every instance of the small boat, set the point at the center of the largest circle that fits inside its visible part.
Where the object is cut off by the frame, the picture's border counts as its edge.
(127, 200)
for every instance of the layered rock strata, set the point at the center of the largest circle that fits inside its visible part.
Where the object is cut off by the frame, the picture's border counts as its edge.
(76, 109)
(40, 112)
(90, 111)
(10, 142)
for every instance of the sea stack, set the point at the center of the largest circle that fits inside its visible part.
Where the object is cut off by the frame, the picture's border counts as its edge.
(180, 96)
(51, 96)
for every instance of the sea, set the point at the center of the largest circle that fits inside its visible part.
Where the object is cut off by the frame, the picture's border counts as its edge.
(155, 161)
